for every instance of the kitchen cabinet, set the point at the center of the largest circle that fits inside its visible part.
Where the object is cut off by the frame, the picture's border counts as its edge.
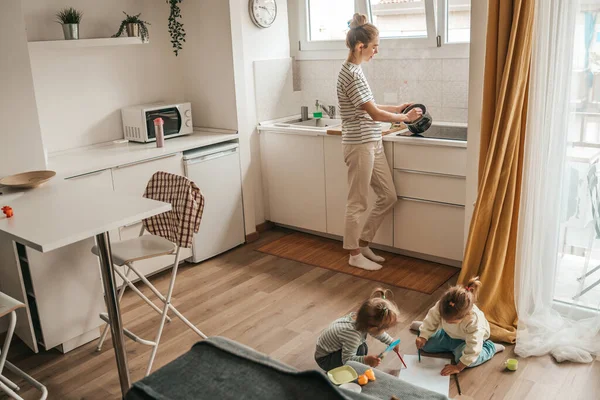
(430, 228)
(295, 176)
(336, 189)
(449, 160)
(133, 178)
(62, 288)
(431, 185)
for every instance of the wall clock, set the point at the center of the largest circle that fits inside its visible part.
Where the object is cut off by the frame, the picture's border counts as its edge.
(262, 12)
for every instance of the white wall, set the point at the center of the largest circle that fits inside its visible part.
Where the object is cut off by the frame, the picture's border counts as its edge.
(207, 63)
(252, 44)
(21, 146)
(476, 68)
(440, 84)
(80, 91)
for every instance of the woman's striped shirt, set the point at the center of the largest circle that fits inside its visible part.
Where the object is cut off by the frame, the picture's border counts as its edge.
(353, 91)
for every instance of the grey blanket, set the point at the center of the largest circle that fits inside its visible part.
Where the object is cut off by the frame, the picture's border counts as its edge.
(218, 368)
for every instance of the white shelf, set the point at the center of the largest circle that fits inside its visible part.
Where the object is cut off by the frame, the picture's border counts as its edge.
(68, 44)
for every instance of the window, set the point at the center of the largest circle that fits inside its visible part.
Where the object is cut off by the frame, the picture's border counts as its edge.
(402, 23)
(399, 18)
(458, 21)
(328, 19)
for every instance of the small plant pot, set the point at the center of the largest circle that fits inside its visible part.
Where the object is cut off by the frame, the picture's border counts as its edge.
(71, 31)
(133, 30)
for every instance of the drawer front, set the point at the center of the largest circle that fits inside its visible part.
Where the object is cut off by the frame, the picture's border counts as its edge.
(429, 228)
(427, 186)
(100, 180)
(133, 178)
(439, 159)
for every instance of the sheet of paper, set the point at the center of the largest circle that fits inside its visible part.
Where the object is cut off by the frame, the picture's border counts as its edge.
(426, 374)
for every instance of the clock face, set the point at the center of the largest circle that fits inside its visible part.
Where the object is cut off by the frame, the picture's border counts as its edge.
(262, 12)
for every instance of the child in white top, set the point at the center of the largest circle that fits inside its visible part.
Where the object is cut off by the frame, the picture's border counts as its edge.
(455, 324)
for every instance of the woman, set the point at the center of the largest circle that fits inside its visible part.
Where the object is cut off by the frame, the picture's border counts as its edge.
(362, 143)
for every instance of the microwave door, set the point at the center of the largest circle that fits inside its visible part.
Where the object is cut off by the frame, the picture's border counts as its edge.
(171, 118)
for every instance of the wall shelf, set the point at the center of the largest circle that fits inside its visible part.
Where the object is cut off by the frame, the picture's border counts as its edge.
(70, 44)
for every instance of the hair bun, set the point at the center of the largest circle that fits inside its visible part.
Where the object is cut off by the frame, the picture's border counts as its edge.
(358, 20)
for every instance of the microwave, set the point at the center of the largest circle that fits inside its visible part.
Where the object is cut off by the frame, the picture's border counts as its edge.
(138, 121)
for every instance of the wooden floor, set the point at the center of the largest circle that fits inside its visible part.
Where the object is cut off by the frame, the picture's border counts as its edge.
(277, 307)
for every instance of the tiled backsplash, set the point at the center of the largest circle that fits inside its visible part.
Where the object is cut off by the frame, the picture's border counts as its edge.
(440, 84)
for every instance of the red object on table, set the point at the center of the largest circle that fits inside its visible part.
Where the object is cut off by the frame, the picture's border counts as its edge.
(401, 358)
(8, 211)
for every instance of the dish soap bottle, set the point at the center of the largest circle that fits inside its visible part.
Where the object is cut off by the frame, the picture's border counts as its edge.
(318, 113)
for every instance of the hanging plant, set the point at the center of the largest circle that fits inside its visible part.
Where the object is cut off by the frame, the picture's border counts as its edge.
(176, 27)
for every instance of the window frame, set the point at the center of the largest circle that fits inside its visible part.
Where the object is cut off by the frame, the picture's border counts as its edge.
(436, 33)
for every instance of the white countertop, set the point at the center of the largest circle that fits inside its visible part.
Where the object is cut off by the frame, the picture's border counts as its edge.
(94, 158)
(270, 126)
(60, 213)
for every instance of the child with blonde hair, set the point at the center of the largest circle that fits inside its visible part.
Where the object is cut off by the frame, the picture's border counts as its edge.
(455, 324)
(344, 339)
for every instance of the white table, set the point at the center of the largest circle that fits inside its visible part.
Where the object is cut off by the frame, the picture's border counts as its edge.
(61, 213)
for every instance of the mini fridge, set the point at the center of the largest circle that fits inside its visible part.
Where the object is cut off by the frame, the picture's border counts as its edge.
(216, 171)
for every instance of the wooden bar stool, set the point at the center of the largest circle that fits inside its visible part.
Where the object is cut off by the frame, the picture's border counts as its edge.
(8, 306)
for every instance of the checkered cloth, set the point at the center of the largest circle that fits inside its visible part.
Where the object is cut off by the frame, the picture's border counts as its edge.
(179, 224)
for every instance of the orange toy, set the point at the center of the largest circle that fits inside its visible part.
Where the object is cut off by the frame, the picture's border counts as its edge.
(7, 211)
(370, 374)
(363, 380)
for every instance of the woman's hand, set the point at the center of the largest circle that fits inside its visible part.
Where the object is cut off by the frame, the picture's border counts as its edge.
(400, 109)
(421, 342)
(450, 369)
(413, 114)
(372, 361)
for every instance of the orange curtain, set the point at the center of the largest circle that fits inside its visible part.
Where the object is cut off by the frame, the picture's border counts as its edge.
(490, 251)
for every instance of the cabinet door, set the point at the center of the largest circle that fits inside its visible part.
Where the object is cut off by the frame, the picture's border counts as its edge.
(100, 182)
(133, 179)
(295, 173)
(67, 288)
(336, 185)
(429, 228)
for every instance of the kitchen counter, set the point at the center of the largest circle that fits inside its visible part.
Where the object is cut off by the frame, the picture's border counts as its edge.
(389, 135)
(79, 161)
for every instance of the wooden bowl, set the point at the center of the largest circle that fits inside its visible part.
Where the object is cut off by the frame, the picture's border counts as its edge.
(27, 180)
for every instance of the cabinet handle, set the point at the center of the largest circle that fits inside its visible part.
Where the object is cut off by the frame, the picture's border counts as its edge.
(85, 175)
(410, 171)
(430, 202)
(147, 160)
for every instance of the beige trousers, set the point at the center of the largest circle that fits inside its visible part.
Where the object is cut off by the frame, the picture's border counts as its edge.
(367, 166)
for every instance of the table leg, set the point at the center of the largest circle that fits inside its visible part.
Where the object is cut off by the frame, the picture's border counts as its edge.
(112, 306)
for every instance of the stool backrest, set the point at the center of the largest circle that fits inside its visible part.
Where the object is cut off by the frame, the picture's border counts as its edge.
(181, 223)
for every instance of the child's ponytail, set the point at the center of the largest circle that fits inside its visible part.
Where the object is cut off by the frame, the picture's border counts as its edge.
(382, 293)
(458, 300)
(473, 287)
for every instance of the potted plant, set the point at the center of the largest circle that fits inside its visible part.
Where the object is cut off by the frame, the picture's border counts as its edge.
(69, 18)
(134, 27)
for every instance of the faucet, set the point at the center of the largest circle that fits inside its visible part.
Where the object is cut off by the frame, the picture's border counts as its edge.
(329, 110)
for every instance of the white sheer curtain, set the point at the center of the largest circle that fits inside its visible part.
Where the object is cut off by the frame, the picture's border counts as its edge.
(542, 329)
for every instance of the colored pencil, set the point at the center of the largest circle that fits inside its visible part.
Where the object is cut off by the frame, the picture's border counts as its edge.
(401, 359)
(457, 385)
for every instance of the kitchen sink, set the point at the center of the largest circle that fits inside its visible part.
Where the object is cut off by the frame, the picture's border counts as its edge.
(311, 123)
